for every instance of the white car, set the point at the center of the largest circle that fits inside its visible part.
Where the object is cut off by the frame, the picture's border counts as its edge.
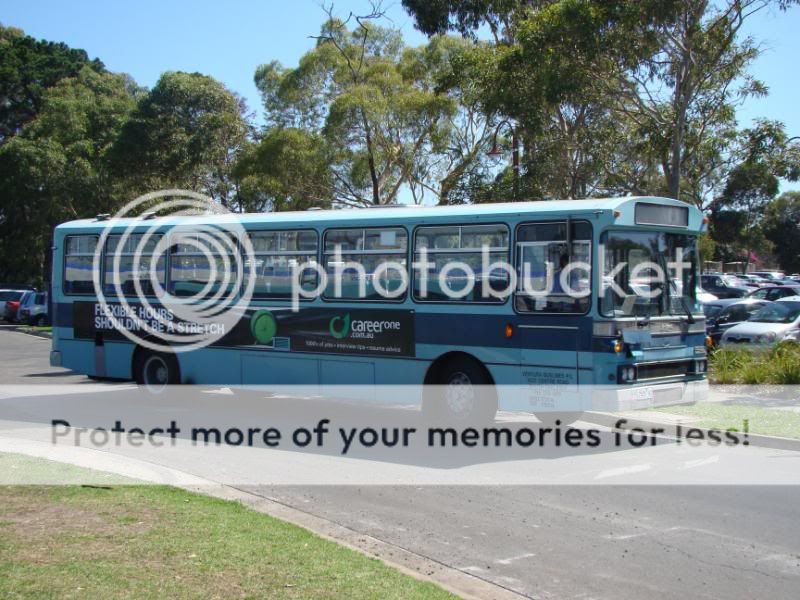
(774, 323)
(704, 296)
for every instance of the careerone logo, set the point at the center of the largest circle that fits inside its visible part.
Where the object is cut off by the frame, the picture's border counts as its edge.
(342, 327)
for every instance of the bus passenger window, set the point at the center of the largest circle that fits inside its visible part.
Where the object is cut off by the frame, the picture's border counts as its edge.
(192, 273)
(78, 262)
(128, 261)
(276, 255)
(362, 261)
(554, 269)
(459, 259)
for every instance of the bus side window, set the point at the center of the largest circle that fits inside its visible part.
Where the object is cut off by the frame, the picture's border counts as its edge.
(355, 255)
(78, 262)
(554, 269)
(192, 272)
(128, 261)
(276, 255)
(443, 246)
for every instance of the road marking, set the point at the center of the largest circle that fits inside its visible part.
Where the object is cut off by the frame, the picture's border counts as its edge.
(508, 561)
(625, 537)
(623, 471)
(691, 464)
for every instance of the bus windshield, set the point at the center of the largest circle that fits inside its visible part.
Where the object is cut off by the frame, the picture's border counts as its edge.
(639, 274)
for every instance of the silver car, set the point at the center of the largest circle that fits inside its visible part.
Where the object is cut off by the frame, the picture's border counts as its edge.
(33, 309)
(772, 324)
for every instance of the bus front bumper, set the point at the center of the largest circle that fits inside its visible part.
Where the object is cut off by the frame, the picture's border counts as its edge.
(603, 398)
(650, 396)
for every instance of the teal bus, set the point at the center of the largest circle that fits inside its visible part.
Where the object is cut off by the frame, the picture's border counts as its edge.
(456, 319)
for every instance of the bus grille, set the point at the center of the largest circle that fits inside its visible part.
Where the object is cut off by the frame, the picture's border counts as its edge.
(659, 370)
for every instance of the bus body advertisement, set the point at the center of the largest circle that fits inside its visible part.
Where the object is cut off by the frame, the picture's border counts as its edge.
(582, 304)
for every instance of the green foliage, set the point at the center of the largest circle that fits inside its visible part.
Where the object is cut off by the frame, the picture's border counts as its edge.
(183, 134)
(706, 247)
(382, 110)
(612, 97)
(778, 366)
(288, 169)
(57, 168)
(781, 226)
(28, 67)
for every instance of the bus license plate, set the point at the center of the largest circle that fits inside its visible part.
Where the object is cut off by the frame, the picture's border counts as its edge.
(643, 393)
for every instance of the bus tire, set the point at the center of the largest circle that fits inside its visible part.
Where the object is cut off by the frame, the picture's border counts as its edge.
(463, 394)
(156, 370)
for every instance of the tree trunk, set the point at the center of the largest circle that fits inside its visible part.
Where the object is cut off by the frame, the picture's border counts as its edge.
(373, 174)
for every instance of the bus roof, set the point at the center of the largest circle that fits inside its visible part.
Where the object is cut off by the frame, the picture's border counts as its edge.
(402, 212)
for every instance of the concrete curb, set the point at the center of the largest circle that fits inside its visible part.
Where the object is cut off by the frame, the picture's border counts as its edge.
(39, 334)
(754, 439)
(464, 585)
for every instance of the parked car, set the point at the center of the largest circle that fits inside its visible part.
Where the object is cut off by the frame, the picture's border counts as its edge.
(774, 323)
(723, 286)
(703, 297)
(769, 274)
(33, 309)
(9, 302)
(784, 281)
(775, 292)
(713, 308)
(753, 280)
(724, 314)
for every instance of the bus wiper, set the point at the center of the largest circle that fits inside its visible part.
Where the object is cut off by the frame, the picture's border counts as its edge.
(689, 316)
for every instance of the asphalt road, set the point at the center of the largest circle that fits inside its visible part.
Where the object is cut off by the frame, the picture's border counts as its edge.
(547, 541)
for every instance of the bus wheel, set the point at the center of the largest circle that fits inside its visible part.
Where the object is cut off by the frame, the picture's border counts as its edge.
(548, 419)
(156, 370)
(463, 394)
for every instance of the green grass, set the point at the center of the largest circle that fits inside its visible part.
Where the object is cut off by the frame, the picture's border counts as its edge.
(777, 366)
(43, 329)
(718, 415)
(16, 469)
(137, 541)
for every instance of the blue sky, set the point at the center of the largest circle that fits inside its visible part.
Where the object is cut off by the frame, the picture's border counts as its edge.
(229, 39)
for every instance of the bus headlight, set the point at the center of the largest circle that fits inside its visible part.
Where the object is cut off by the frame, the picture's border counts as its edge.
(627, 373)
(700, 366)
